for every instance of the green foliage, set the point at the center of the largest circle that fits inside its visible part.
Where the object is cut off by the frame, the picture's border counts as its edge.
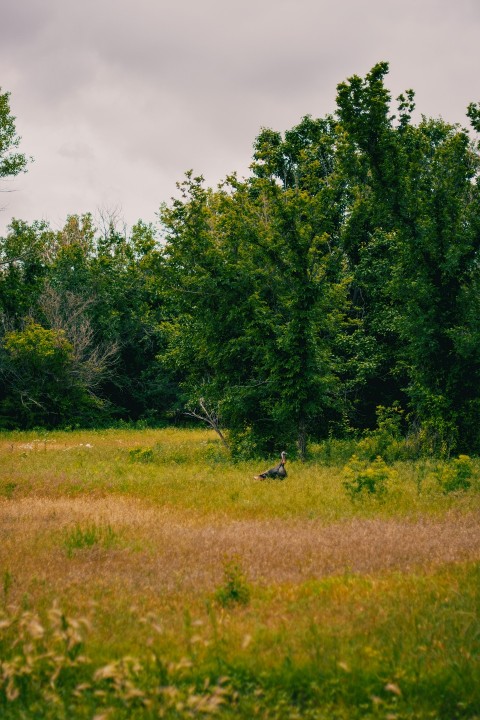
(102, 293)
(11, 162)
(41, 378)
(23, 262)
(363, 478)
(412, 239)
(456, 474)
(38, 347)
(263, 267)
(88, 536)
(434, 437)
(473, 112)
(246, 443)
(354, 270)
(235, 589)
(142, 455)
(334, 451)
(386, 440)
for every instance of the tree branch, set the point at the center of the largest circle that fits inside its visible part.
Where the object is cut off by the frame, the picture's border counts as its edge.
(211, 418)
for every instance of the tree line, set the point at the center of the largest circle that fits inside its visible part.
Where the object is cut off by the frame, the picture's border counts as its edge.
(341, 275)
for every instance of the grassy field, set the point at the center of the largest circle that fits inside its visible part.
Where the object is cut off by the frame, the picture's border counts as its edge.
(145, 575)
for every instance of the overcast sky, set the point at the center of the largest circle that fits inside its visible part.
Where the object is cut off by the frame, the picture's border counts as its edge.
(116, 99)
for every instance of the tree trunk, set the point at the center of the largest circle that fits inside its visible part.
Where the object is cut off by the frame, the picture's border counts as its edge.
(302, 440)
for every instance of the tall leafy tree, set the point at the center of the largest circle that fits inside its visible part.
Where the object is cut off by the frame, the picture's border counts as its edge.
(413, 239)
(259, 297)
(25, 257)
(11, 162)
(126, 277)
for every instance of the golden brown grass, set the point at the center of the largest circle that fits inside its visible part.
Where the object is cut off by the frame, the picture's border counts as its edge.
(183, 551)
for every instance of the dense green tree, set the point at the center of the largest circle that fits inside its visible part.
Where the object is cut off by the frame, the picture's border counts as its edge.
(126, 277)
(413, 239)
(25, 255)
(41, 375)
(101, 290)
(11, 162)
(258, 300)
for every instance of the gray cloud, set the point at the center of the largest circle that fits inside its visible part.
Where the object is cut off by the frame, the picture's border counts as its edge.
(115, 99)
(76, 150)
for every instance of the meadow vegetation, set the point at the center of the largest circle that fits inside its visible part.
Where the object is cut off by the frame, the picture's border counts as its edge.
(145, 574)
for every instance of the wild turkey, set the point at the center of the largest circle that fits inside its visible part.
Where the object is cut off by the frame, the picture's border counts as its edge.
(278, 472)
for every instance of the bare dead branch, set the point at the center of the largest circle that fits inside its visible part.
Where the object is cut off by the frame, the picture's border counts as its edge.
(67, 312)
(210, 417)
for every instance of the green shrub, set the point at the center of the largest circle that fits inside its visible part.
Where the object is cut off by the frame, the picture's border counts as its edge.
(250, 443)
(80, 537)
(235, 588)
(244, 444)
(142, 455)
(44, 381)
(7, 489)
(455, 475)
(362, 477)
(386, 440)
(334, 451)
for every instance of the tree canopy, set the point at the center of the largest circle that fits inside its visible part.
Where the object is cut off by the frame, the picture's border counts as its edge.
(341, 275)
(11, 162)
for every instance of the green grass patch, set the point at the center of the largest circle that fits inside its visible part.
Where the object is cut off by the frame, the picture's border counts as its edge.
(88, 536)
(189, 469)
